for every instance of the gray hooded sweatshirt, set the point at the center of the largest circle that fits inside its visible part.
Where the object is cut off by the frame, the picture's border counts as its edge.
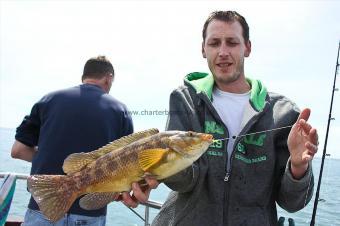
(207, 194)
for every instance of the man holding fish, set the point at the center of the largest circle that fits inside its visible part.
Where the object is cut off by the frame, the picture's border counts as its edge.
(260, 155)
(263, 144)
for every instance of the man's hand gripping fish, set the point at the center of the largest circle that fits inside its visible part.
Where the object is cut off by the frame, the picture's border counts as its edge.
(102, 174)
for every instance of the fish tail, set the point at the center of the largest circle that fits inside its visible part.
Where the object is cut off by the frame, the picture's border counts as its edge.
(54, 194)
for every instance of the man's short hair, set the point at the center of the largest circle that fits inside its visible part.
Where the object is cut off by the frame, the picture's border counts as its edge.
(97, 68)
(227, 16)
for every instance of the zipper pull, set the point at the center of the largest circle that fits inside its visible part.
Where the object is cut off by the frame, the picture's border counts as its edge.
(226, 178)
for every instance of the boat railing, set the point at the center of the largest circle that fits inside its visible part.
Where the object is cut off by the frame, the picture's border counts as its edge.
(149, 204)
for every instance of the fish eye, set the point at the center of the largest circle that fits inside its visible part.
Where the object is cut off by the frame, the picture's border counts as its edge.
(190, 133)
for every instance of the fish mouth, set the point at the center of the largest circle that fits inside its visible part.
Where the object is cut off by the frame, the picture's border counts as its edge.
(207, 137)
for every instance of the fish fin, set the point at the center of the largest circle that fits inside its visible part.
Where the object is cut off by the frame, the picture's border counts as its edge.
(97, 200)
(123, 141)
(75, 162)
(149, 157)
(54, 194)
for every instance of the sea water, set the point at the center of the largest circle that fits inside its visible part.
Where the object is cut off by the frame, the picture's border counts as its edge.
(328, 212)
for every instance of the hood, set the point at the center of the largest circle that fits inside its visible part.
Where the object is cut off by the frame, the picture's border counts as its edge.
(204, 83)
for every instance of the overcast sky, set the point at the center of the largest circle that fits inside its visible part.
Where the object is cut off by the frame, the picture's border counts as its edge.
(154, 44)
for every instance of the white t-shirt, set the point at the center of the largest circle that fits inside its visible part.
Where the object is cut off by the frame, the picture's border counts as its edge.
(230, 107)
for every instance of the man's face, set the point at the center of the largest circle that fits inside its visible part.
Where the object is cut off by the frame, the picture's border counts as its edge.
(225, 49)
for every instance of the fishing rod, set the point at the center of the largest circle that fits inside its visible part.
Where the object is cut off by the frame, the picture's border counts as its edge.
(316, 201)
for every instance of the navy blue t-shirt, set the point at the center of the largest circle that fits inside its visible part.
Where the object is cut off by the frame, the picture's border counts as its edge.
(79, 119)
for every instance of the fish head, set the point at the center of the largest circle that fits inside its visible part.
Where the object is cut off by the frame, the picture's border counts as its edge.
(190, 144)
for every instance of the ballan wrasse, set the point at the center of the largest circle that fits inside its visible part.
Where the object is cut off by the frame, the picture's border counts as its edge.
(102, 174)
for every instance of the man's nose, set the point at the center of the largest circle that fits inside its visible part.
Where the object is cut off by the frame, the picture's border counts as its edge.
(224, 50)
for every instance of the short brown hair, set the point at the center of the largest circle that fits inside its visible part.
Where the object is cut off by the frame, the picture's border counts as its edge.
(97, 67)
(227, 16)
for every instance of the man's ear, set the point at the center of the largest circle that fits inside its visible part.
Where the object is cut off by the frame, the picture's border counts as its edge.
(203, 51)
(107, 80)
(248, 49)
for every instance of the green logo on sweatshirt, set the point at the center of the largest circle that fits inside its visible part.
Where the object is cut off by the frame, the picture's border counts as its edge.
(241, 148)
(213, 127)
(255, 139)
(216, 144)
(215, 153)
(251, 160)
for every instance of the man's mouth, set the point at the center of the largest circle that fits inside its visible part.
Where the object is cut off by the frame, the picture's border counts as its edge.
(224, 65)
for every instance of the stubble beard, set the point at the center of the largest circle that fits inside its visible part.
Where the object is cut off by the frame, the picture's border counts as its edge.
(228, 79)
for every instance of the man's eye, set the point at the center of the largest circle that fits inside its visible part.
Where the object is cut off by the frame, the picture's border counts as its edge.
(213, 44)
(232, 43)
